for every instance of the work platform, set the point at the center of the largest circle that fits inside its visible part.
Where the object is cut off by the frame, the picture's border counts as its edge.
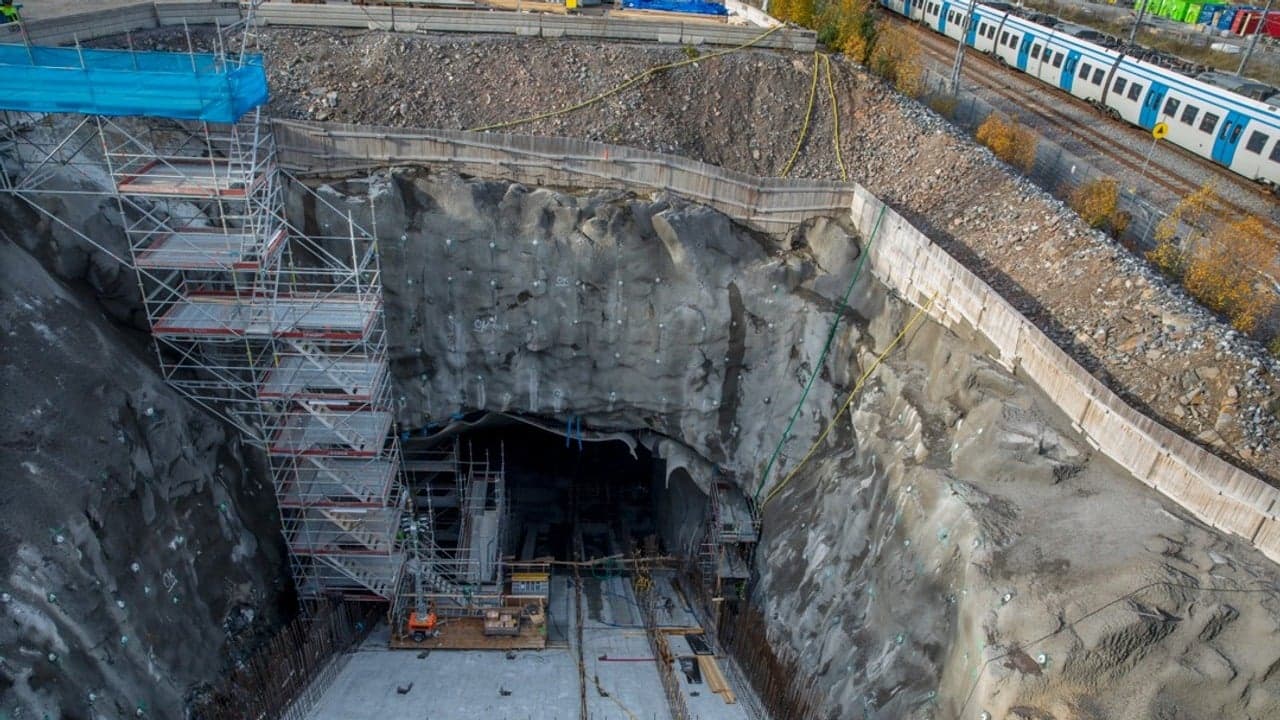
(612, 672)
(209, 249)
(305, 317)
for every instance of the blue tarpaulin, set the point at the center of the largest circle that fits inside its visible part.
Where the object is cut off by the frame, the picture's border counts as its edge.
(181, 86)
(696, 7)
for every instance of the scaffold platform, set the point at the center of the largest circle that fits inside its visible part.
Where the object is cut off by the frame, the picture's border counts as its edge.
(314, 317)
(193, 178)
(209, 249)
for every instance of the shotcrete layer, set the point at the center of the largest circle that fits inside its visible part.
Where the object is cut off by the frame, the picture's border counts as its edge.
(954, 546)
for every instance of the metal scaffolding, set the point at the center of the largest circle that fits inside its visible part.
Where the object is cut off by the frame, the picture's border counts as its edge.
(460, 516)
(282, 333)
(733, 529)
(279, 333)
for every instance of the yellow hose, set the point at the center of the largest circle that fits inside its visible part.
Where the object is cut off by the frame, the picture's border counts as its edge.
(633, 80)
(835, 120)
(848, 401)
(808, 113)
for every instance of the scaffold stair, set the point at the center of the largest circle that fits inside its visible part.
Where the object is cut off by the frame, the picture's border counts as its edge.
(353, 526)
(326, 365)
(378, 575)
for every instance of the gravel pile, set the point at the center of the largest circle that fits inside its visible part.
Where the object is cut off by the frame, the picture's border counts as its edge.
(1115, 315)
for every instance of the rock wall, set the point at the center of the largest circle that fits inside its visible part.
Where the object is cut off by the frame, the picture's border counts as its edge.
(951, 531)
(139, 550)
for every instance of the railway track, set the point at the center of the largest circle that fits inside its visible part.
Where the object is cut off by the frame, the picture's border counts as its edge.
(1124, 148)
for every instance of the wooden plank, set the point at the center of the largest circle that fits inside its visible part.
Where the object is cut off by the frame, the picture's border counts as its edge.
(715, 679)
(527, 6)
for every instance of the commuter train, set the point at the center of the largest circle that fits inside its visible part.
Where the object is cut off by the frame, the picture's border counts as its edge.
(1237, 132)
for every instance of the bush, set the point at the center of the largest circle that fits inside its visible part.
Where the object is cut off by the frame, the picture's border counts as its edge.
(1273, 347)
(1223, 273)
(1098, 201)
(944, 105)
(1009, 140)
(1169, 259)
(896, 58)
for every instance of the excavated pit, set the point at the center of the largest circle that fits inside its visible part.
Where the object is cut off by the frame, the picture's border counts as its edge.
(952, 548)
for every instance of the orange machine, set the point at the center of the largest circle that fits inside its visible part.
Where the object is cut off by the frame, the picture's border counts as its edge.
(422, 626)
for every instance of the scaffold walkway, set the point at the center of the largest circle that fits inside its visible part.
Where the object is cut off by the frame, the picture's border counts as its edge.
(280, 333)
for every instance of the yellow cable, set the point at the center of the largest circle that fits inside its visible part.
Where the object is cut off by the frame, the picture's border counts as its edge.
(849, 401)
(628, 83)
(808, 113)
(835, 119)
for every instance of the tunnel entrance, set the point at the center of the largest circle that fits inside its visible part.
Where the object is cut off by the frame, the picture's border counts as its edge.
(510, 521)
(572, 499)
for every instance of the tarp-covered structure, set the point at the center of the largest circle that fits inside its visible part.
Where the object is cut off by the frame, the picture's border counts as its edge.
(180, 86)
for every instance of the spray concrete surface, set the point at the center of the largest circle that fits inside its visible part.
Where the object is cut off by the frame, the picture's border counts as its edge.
(951, 548)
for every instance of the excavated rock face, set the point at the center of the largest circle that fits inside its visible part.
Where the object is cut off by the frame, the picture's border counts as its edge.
(952, 548)
(138, 545)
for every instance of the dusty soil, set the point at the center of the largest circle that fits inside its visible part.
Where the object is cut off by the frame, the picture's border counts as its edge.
(1119, 318)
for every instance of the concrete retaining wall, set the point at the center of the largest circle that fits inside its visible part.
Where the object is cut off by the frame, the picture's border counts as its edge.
(597, 27)
(1214, 491)
(150, 15)
(902, 257)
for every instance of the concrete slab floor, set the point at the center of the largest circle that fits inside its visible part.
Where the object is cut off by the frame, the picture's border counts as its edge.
(621, 676)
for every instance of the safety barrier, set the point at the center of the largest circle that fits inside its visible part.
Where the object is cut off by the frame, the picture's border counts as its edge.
(67, 29)
(767, 204)
(903, 258)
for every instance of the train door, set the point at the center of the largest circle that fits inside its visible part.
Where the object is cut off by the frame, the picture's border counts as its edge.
(1024, 50)
(1150, 113)
(971, 29)
(942, 17)
(1069, 70)
(1228, 137)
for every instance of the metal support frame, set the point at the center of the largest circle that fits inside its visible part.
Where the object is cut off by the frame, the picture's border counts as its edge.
(280, 334)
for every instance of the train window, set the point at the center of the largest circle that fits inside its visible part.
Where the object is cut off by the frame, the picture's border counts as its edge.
(1256, 142)
(1035, 51)
(1099, 76)
(1275, 153)
(1189, 114)
(1135, 91)
(1171, 107)
(1084, 70)
(1208, 122)
(1004, 38)
(1235, 134)
(1119, 86)
(1057, 60)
